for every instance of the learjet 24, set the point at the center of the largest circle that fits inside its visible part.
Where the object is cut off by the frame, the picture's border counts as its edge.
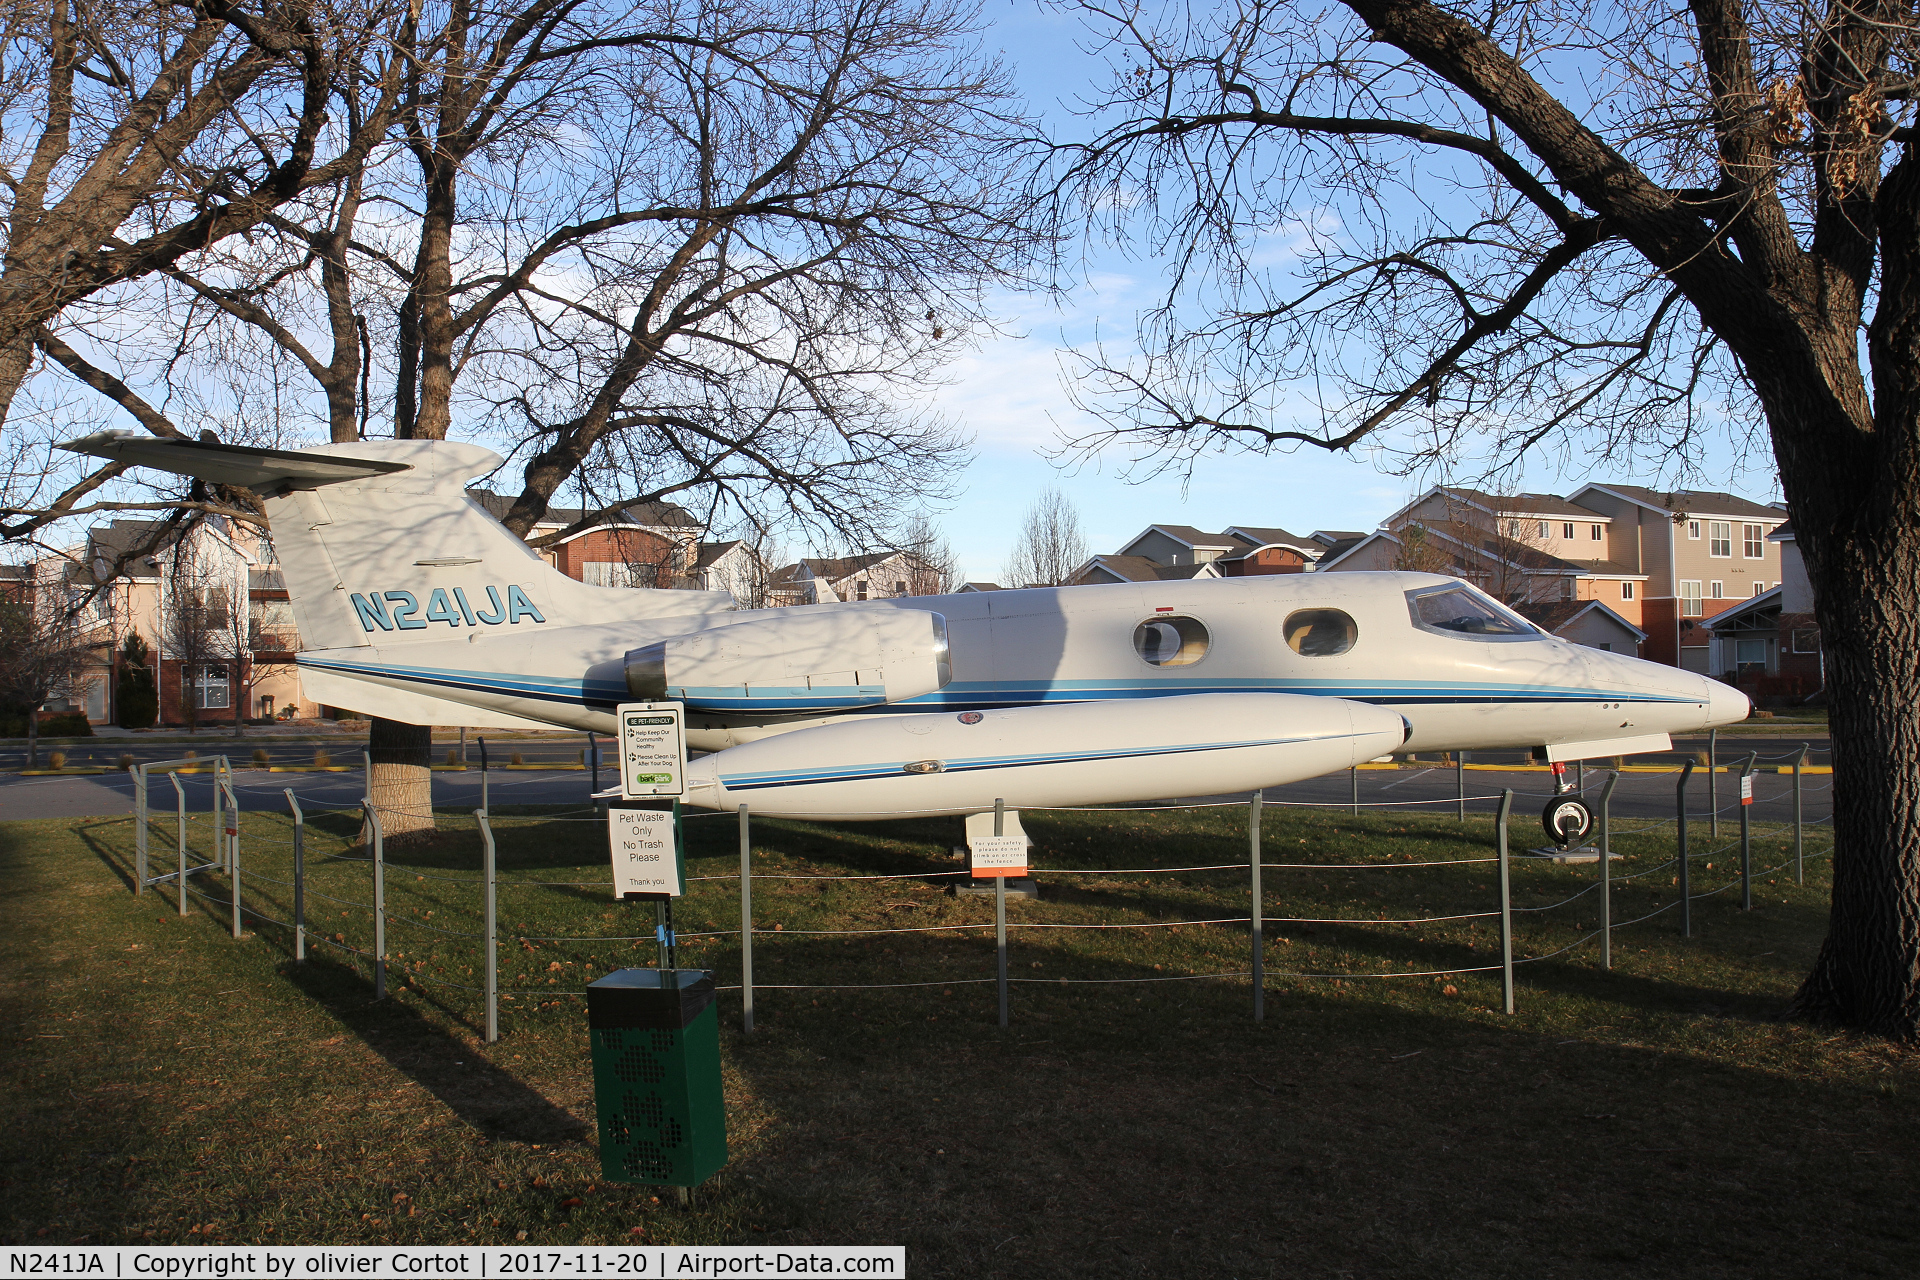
(417, 605)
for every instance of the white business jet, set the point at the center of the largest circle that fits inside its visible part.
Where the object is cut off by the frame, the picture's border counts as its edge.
(417, 605)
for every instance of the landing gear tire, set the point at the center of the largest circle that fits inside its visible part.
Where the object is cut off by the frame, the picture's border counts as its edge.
(1568, 820)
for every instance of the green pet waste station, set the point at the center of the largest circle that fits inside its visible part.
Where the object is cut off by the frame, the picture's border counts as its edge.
(656, 1076)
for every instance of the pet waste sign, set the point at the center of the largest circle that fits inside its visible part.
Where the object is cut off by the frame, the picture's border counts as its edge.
(653, 750)
(646, 857)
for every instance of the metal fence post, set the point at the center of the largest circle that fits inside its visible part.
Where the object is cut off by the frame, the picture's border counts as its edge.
(216, 835)
(367, 790)
(1259, 938)
(1713, 784)
(1000, 910)
(593, 763)
(746, 921)
(1353, 776)
(1799, 827)
(299, 877)
(484, 806)
(1746, 832)
(139, 775)
(492, 942)
(1686, 869)
(1460, 781)
(232, 834)
(379, 900)
(180, 820)
(1606, 872)
(1506, 902)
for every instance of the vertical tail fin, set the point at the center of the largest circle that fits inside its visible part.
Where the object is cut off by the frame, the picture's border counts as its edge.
(380, 544)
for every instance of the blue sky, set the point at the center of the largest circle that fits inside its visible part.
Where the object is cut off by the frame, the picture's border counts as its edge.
(1009, 396)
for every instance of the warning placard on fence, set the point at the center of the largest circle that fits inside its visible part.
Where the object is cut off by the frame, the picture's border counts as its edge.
(645, 856)
(998, 856)
(1746, 788)
(653, 749)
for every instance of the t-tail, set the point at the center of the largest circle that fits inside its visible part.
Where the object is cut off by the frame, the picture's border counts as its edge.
(382, 549)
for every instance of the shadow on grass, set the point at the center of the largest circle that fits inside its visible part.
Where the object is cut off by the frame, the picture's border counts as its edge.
(482, 1095)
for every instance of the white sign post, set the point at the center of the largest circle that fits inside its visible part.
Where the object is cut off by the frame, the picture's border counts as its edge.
(646, 858)
(653, 750)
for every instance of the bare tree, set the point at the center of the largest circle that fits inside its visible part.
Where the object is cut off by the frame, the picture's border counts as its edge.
(659, 250)
(148, 131)
(1050, 545)
(42, 650)
(1718, 216)
(932, 568)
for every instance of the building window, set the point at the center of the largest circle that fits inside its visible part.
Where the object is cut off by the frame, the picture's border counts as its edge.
(1759, 588)
(210, 688)
(1543, 530)
(860, 589)
(1626, 591)
(1806, 639)
(899, 588)
(1569, 589)
(1605, 646)
(1750, 656)
(1693, 530)
(1689, 599)
(618, 573)
(1755, 536)
(1594, 532)
(1566, 530)
(1717, 590)
(1720, 538)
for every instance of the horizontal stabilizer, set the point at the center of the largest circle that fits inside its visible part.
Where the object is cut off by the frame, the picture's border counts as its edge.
(230, 463)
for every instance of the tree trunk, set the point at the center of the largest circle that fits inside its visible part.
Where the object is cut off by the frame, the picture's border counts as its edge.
(1860, 533)
(402, 786)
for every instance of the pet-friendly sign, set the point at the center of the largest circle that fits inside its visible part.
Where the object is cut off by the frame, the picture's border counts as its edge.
(653, 750)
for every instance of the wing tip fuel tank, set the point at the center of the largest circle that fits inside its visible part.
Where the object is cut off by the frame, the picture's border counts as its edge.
(1073, 754)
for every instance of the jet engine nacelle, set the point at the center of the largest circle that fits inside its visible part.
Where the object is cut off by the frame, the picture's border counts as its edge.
(829, 660)
(1074, 754)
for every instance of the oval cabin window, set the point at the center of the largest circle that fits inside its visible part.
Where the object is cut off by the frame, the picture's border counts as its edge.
(1171, 641)
(1320, 633)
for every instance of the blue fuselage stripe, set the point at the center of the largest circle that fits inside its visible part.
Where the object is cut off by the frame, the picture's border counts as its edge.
(987, 696)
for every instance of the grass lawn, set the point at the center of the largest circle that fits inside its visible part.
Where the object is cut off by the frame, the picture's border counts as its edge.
(172, 1084)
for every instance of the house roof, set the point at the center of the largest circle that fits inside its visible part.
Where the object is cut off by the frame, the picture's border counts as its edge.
(659, 515)
(1328, 537)
(711, 553)
(978, 586)
(1697, 503)
(1783, 534)
(1141, 569)
(1548, 505)
(1747, 611)
(1189, 535)
(1256, 538)
(1346, 546)
(1554, 615)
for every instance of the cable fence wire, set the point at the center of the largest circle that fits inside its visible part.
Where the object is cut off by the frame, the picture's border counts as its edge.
(329, 870)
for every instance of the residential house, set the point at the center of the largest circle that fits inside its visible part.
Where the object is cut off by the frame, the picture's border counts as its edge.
(1167, 552)
(649, 544)
(1769, 644)
(878, 575)
(1587, 622)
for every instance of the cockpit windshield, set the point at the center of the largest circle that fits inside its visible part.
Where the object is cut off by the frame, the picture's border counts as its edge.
(1461, 610)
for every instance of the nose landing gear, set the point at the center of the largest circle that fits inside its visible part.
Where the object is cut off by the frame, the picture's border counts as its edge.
(1567, 818)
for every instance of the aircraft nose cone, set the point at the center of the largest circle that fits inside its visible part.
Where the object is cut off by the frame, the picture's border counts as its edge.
(1725, 704)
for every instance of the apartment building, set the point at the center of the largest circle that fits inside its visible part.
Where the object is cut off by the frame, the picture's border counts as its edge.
(1701, 553)
(1164, 552)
